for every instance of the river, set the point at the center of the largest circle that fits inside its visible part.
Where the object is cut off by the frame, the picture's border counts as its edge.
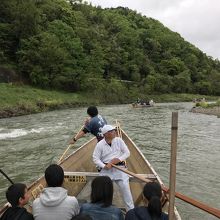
(28, 144)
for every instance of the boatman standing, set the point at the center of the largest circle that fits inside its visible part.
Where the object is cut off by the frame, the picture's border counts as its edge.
(92, 125)
(113, 150)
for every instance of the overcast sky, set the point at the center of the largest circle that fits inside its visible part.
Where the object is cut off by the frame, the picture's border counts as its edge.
(198, 21)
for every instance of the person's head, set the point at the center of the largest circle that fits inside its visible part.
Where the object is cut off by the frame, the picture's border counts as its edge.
(54, 175)
(153, 193)
(81, 217)
(92, 111)
(108, 131)
(102, 190)
(17, 194)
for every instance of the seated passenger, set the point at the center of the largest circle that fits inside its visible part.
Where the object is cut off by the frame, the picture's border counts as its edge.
(101, 207)
(151, 102)
(54, 203)
(17, 195)
(153, 209)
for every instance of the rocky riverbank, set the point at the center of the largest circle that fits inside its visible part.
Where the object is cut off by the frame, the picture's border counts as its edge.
(209, 111)
(39, 107)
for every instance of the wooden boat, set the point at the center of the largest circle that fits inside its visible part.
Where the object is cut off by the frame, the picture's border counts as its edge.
(136, 105)
(142, 105)
(80, 170)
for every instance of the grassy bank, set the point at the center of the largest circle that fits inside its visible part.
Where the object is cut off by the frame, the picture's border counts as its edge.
(21, 100)
(18, 100)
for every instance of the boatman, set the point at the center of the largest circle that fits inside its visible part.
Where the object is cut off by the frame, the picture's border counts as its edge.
(92, 125)
(113, 150)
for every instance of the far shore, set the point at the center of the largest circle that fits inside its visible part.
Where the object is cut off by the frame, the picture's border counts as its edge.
(21, 110)
(17, 100)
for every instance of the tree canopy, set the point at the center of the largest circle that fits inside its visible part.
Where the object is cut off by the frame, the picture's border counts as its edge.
(64, 44)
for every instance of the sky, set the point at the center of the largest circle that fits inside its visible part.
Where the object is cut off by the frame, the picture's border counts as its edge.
(197, 21)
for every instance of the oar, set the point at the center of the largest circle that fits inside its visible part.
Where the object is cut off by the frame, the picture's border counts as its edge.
(61, 158)
(200, 205)
(8, 204)
(69, 146)
(9, 179)
(6, 176)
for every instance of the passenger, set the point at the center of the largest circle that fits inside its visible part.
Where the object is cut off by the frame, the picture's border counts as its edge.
(151, 102)
(113, 150)
(54, 203)
(153, 209)
(18, 196)
(142, 102)
(93, 125)
(101, 207)
(138, 100)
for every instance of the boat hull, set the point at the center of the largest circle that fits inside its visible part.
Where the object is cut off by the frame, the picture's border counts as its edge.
(80, 170)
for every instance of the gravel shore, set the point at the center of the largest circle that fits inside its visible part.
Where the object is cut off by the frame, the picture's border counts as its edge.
(208, 111)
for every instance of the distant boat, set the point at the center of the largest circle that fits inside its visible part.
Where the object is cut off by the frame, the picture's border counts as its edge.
(143, 104)
(199, 100)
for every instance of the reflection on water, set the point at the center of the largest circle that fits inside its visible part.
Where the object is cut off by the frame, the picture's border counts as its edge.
(28, 144)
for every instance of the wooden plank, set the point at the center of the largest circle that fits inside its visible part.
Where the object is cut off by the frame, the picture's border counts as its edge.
(84, 176)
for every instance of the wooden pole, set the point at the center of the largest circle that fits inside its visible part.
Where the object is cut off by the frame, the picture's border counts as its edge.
(200, 205)
(118, 129)
(174, 128)
(69, 146)
(61, 158)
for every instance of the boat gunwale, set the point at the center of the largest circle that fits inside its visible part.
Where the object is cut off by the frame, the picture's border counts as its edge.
(177, 215)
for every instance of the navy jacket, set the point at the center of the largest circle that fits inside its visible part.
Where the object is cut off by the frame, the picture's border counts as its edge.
(97, 212)
(141, 213)
(16, 213)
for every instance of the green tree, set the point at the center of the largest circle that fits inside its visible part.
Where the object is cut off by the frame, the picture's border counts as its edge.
(44, 61)
(203, 87)
(182, 82)
(215, 82)
(173, 66)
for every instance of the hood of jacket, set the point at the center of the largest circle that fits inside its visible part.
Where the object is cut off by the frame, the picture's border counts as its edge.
(53, 196)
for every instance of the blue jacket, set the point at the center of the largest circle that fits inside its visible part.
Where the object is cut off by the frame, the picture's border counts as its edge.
(97, 212)
(141, 213)
(95, 125)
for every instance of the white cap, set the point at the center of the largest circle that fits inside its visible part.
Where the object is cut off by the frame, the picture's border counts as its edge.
(107, 128)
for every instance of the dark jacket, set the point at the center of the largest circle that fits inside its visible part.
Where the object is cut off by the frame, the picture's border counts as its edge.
(16, 213)
(141, 213)
(97, 212)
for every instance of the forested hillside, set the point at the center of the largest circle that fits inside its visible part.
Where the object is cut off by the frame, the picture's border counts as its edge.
(71, 46)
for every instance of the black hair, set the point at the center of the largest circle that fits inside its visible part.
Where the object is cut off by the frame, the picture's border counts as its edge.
(92, 111)
(152, 192)
(81, 217)
(102, 191)
(15, 192)
(54, 175)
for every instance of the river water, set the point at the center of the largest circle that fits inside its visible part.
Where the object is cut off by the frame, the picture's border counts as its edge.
(28, 144)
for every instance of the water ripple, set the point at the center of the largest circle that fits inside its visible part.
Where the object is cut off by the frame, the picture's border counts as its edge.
(30, 143)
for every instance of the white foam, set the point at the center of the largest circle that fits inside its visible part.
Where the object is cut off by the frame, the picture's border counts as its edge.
(14, 133)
